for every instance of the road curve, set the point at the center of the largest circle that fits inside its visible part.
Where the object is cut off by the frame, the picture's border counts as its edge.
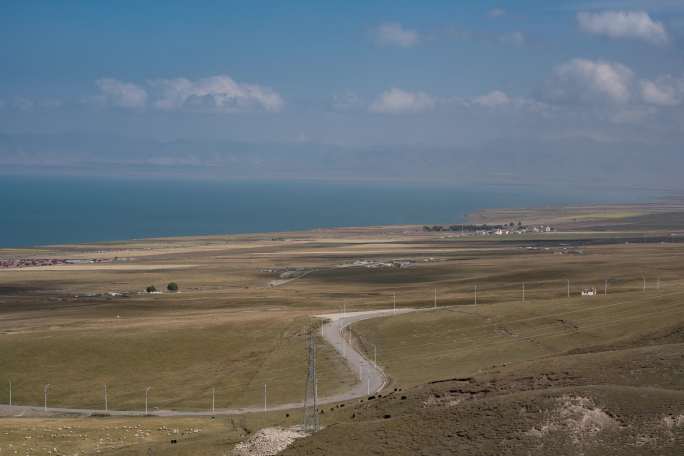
(371, 377)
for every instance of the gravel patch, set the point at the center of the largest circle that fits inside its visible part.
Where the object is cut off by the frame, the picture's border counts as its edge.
(268, 441)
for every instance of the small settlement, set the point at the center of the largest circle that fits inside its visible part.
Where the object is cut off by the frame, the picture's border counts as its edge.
(487, 230)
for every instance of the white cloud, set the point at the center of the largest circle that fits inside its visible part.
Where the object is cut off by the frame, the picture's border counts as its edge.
(397, 101)
(651, 5)
(121, 94)
(32, 104)
(632, 116)
(51, 103)
(624, 24)
(664, 91)
(589, 81)
(394, 34)
(515, 39)
(496, 12)
(347, 101)
(499, 100)
(493, 99)
(216, 93)
(23, 104)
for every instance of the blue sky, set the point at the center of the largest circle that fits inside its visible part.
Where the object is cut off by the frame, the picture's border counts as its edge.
(353, 73)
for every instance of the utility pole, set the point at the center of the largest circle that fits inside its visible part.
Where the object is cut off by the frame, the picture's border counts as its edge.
(147, 390)
(368, 382)
(394, 296)
(475, 294)
(311, 422)
(375, 355)
(568, 287)
(10, 391)
(105, 398)
(435, 298)
(344, 342)
(523, 292)
(213, 397)
(644, 286)
(265, 408)
(45, 393)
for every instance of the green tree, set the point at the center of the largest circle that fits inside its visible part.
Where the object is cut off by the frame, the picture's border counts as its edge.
(172, 286)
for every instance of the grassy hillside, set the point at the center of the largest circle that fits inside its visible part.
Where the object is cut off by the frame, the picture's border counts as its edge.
(504, 376)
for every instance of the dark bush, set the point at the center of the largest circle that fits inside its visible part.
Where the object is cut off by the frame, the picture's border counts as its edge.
(173, 286)
(151, 289)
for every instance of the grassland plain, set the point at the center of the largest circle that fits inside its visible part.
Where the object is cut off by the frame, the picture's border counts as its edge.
(462, 341)
(245, 305)
(181, 362)
(132, 436)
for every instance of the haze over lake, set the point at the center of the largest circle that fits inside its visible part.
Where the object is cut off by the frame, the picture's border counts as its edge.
(49, 210)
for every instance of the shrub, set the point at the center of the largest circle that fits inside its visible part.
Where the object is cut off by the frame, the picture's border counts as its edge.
(173, 286)
(151, 289)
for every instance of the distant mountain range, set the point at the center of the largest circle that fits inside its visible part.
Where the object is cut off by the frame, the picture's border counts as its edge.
(567, 161)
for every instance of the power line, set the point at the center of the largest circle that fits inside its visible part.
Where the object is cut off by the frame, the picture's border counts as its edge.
(528, 319)
(479, 342)
(506, 339)
(242, 387)
(433, 355)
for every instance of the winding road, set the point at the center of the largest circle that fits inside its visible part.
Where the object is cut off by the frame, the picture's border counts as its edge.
(371, 377)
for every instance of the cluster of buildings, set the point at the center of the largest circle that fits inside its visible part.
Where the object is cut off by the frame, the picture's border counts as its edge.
(542, 229)
(486, 230)
(517, 230)
(9, 263)
(374, 264)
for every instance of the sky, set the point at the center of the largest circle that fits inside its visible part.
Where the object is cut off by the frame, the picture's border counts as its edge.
(468, 75)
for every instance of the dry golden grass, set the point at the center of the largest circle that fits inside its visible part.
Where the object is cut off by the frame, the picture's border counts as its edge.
(132, 436)
(182, 359)
(227, 329)
(463, 341)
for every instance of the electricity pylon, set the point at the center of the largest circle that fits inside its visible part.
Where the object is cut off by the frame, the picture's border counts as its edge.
(311, 423)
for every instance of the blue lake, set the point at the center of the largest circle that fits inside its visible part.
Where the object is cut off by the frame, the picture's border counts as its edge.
(48, 210)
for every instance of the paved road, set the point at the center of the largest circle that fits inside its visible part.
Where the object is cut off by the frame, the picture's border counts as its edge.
(371, 378)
